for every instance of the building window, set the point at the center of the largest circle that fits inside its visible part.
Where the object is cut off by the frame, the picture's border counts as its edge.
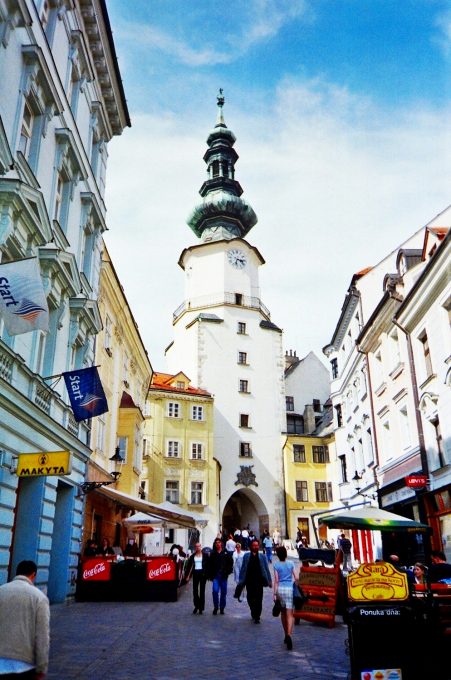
(122, 444)
(145, 448)
(426, 354)
(26, 131)
(323, 492)
(108, 334)
(242, 357)
(404, 427)
(317, 405)
(100, 439)
(343, 468)
(196, 493)
(289, 403)
(238, 298)
(180, 385)
(241, 329)
(197, 412)
(299, 453)
(439, 441)
(334, 368)
(172, 491)
(301, 491)
(339, 414)
(245, 450)
(196, 451)
(173, 409)
(295, 424)
(244, 420)
(244, 386)
(320, 454)
(173, 449)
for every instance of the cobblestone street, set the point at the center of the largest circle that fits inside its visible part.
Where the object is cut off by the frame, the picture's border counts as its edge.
(165, 641)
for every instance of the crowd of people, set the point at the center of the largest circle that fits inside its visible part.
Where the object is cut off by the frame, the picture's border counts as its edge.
(240, 553)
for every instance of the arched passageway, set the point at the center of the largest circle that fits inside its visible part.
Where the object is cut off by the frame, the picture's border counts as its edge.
(245, 508)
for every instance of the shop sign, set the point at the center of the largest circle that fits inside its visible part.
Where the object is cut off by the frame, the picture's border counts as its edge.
(377, 581)
(96, 569)
(160, 569)
(45, 463)
(382, 674)
(416, 481)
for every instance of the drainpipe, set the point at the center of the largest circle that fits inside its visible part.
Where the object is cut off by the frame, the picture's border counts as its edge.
(285, 511)
(420, 432)
(373, 422)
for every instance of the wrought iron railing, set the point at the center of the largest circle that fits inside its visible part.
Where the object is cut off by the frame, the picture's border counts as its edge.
(206, 301)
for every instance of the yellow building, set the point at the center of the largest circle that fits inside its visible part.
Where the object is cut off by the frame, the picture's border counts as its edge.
(179, 466)
(309, 486)
(116, 436)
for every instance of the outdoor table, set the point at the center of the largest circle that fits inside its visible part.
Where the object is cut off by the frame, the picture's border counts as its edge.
(148, 578)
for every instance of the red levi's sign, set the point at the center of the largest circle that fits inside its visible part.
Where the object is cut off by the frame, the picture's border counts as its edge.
(416, 481)
(96, 569)
(160, 569)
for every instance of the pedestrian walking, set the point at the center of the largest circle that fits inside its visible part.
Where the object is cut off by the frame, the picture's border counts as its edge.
(255, 575)
(283, 591)
(197, 569)
(267, 544)
(345, 546)
(220, 566)
(24, 627)
(245, 538)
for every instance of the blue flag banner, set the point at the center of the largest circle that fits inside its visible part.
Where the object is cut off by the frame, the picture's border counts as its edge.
(23, 304)
(86, 394)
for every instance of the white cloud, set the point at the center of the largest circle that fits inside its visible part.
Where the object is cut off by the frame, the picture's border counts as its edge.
(443, 23)
(254, 22)
(336, 184)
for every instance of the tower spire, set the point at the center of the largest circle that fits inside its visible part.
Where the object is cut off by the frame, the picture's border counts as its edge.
(222, 214)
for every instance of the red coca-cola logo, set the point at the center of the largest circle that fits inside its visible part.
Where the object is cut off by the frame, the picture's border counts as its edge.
(160, 570)
(96, 570)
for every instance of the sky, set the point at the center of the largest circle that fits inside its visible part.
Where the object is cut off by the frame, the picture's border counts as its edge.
(341, 109)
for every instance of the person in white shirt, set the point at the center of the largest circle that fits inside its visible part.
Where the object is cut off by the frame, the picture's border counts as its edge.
(197, 569)
(230, 545)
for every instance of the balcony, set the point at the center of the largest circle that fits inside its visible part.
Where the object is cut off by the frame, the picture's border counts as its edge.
(206, 301)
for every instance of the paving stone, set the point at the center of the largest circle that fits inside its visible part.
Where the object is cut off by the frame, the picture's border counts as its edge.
(165, 641)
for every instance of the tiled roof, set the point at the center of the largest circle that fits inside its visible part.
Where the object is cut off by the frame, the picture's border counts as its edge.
(162, 381)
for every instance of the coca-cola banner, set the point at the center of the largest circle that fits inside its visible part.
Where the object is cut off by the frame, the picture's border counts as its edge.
(160, 569)
(96, 569)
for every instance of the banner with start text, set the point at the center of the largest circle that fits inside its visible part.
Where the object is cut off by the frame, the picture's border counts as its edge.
(86, 394)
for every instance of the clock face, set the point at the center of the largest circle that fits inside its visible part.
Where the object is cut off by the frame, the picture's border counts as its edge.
(237, 258)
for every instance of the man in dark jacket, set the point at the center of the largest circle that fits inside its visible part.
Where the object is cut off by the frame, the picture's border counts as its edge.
(255, 575)
(220, 566)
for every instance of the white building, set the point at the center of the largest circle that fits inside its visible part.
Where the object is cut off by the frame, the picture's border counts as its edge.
(61, 102)
(226, 342)
(424, 316)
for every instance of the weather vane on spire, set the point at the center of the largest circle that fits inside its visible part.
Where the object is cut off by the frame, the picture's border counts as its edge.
(220, 97)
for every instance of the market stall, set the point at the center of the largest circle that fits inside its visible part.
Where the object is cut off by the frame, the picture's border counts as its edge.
(136, 575)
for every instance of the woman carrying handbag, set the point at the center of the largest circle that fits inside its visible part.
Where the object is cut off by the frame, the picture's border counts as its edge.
(283, 592)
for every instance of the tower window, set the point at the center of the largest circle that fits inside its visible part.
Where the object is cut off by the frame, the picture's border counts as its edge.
(215, 168)
(245, 450)
(289, 403)
(334, 367)
(244, 420)
(241, 329)
(244, 386)
(242, 357)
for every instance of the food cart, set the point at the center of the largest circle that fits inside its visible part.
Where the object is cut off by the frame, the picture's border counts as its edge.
(395, 631)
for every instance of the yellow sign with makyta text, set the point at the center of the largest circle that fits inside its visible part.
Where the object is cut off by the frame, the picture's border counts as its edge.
(45, 463)
(377, 581)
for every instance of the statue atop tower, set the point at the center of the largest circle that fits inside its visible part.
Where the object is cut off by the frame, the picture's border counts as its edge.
(222, 214)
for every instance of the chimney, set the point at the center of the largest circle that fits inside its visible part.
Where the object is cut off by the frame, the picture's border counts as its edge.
(309, 419)
(290, 358)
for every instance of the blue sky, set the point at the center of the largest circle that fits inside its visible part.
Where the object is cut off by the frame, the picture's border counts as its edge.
(341, 112)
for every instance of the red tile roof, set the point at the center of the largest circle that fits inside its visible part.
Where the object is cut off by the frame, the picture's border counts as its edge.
(162, 381)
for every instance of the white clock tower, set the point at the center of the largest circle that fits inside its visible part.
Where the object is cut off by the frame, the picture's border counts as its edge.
(225, 341)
